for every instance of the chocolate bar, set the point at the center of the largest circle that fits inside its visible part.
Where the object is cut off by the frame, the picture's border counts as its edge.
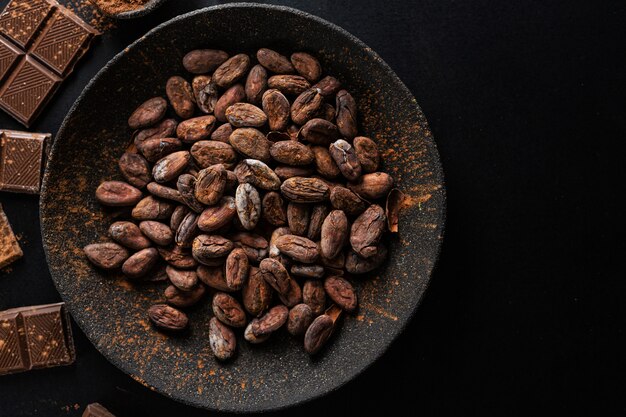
(96, 410)
(10, 250)
(40, 42)
(22, 159)
(35, 338)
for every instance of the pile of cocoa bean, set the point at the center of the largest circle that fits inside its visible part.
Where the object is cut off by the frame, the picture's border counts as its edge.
(250, 183)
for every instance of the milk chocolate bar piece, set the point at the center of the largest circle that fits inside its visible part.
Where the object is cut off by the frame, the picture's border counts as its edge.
(96, 410)
(10, 250)
(63, 40)
(27, 90)
(21, 20)
(9, 56)
(35, 338)
(22, 159)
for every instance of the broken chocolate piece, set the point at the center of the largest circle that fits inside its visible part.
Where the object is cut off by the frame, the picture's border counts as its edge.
(96, 410)
(10, 250)
(35, 338)
(22, 159)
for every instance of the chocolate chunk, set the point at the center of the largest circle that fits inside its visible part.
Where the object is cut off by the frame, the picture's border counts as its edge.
(22, 158)
(35, 338)
(10, 250)
(45, 40)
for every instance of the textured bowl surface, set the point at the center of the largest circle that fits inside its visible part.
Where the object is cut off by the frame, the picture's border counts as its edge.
(112, 311)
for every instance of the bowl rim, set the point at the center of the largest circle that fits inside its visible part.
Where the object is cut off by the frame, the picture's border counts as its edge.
(437, 169)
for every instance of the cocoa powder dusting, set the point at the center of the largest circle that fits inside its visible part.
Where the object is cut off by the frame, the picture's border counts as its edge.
(120, 6)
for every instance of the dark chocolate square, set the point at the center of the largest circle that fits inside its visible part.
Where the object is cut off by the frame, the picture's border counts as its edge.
(27, 90)
(22, 159)
(21, 20)
(13, 355)
(9, 56)
(63, 40)
(45, 329)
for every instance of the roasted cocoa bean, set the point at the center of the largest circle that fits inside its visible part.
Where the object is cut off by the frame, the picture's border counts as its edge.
(198, 128)
(318, 334)
(276, 107)
(256, 293)
(251, 143)
(237, 268)
(157, 232)
(177, 216)
(314, 295)
(106, 255)
(289, 84)
(158, 148)
(329, 86)
(222, 340)
(395, 200)
(256, 84)
(341, 292)
(222, 133)
(271, 321)
(164, 129)
(318, 214)
(273, 209)
(357, 265)
(117, 194)
(274, 61)
(367, 230)
(245, 115)
(184, 280)
(202, 61)
(186, 185)
(184, 299)
(205, 92)
(306, 106)
(275, 274)
(367, 153)
(210, 184)
(373, 186)
(215, 217)
(293, 296)
(306, 65)
(151, 208)
(129, 235)
(206, 247)
(300, 318)
(178, 257)
(231, 70)
(210, 152)
(167, 193)
(187, 230)
(228, 310)
(248, 204)
(307, 271)
(319, 132)
(167, 318)
(257, 173)
(180, 94)
(148, 113)
(345, 157)
(298, 216)
(213, 277)
(170, 167)
(334, 233)
(305, 190)
(349, 202)
(284, 171)
(135, 169)
(324, 163)
(291, 153)
(255, 246)
(140, 263)
(274, 252)
(298, 248)
(250, 337)
(233, 95)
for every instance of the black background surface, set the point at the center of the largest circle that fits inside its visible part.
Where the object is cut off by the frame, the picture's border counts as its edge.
(524, 312)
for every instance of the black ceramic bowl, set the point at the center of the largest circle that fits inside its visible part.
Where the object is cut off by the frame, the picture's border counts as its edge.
(112, 311)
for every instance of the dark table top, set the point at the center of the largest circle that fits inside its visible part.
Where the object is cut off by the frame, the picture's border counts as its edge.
(525, 100)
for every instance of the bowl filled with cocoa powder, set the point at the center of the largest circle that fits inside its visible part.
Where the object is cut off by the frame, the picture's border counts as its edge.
(243, 209)
(127, 9)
